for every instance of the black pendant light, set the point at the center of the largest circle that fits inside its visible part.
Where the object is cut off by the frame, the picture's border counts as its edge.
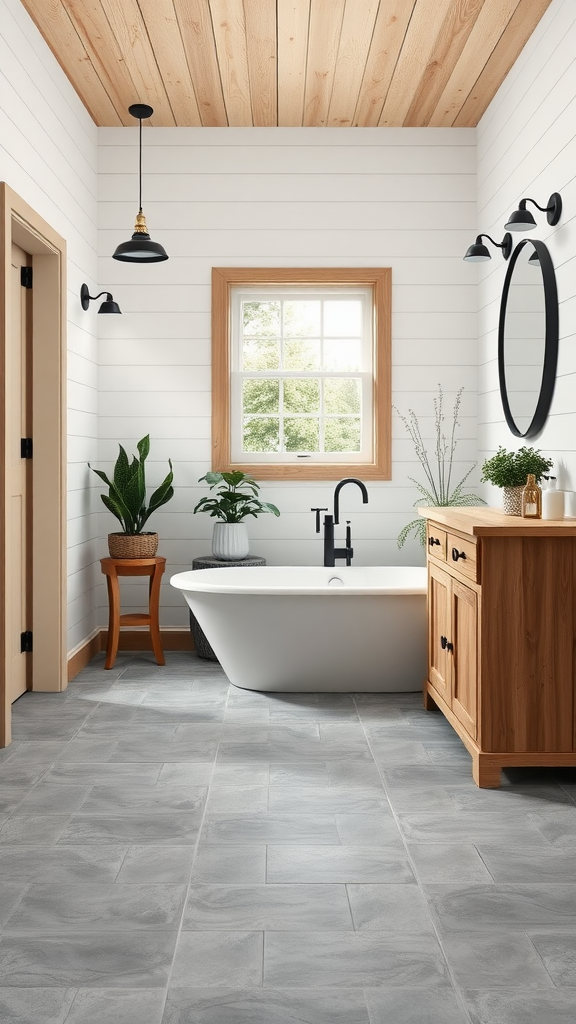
(140, 248)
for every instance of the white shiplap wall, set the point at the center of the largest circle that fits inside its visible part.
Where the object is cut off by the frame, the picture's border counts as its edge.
(527, 147)
(48, 155)
(403, 198)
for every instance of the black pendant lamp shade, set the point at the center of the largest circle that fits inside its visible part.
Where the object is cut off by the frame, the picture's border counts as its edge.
(522, 219)
(140, 248)
(479, 253)
(108, 306)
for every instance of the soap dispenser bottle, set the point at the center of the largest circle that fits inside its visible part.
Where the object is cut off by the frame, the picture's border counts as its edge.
(552, 500)
(531, 499)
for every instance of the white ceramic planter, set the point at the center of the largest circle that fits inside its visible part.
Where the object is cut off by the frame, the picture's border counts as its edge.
(230, 541)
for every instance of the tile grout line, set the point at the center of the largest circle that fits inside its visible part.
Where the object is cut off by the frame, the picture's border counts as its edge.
(188, 888)
(536, 951)
(52, 763)
(455, 986)
(28, 885)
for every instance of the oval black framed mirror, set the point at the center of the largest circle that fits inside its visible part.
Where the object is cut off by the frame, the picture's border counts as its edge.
(528, 338)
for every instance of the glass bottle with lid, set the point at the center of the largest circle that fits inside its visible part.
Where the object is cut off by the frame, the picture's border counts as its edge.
(531, 499)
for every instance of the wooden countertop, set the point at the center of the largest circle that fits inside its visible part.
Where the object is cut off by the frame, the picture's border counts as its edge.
(482, 521)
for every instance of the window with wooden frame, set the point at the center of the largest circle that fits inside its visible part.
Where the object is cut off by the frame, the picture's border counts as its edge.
(301, 372)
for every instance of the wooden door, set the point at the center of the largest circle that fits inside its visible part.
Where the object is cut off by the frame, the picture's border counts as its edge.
(17, 471)
(439, 627)
(464, 656)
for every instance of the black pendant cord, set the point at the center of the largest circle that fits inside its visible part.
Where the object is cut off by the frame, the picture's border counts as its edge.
(140, 172)
(140, 111)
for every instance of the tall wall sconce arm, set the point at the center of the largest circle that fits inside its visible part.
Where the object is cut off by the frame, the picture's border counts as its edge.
(479, 253)
(522, 220)
(108, 306)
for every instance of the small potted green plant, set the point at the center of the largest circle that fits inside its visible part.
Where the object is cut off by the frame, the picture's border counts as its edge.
(235, 499)
(126, 499)
(509, 470)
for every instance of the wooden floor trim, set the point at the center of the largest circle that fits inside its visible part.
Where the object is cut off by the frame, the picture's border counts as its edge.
(130, 640)
(80, 659)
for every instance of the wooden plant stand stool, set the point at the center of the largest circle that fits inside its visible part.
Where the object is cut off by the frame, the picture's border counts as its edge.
(112, 569)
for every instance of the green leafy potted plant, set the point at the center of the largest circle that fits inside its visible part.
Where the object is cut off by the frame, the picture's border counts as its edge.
(509, 470)
(126, 499)
(235, 499)
(439, 489)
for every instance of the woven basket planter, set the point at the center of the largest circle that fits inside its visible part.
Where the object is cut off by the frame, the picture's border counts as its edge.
(512, 500)
(127, 545)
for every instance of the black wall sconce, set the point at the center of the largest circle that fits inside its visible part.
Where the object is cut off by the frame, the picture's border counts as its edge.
(108, 306)
(522, 219)
(140, 248)
(479, 253)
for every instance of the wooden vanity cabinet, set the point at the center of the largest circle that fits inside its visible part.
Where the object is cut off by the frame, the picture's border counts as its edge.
(502, 636)
(452, 645)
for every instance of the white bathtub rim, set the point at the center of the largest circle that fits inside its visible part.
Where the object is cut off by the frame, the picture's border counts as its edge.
(233, 580)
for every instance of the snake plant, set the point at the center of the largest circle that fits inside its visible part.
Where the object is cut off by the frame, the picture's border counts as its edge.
(126, 498)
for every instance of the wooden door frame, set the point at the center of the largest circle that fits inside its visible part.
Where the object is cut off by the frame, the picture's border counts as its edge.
(19, 223)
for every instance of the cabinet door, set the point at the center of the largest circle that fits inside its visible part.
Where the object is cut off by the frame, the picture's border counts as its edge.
(439, 612)
(464, 656)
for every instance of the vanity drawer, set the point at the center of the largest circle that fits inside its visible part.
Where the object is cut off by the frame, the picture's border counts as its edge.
(462, 554)
(436, 541)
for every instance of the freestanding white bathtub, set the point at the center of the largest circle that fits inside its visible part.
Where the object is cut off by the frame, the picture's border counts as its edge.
(310, 629)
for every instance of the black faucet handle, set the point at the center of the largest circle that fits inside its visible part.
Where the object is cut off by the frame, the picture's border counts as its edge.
(318, 511)
(349, 549)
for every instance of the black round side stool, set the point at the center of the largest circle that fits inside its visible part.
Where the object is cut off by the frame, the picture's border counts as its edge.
(208, 562)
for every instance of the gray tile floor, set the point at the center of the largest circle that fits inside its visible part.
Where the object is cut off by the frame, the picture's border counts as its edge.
(176, 850)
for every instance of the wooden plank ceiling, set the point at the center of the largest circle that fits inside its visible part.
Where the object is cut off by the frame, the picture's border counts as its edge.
(335, 63)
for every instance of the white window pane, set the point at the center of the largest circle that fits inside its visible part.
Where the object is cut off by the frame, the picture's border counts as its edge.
(343, 317)
(342, 434)
(342, 354)
(260, 354)
(261, 396)
(302, 318)
(342, 396)
(260, 434)
(302, 354)
(302, 435)
(302, 395)
(261, 318)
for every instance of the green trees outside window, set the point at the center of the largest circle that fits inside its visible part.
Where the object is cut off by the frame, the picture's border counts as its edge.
(319, 411)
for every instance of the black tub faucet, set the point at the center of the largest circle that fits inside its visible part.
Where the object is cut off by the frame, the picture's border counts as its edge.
(331, 553)
(347, 480)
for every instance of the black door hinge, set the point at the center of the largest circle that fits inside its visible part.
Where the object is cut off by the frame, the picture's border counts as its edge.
(26, 641)
(26, 277)
(26, 448)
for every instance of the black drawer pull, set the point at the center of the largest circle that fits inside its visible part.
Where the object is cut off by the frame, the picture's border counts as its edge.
(445, 644)
(432, 541)
(458, 554)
